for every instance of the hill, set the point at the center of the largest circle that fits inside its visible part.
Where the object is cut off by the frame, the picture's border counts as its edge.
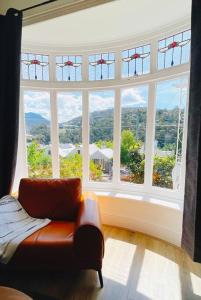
(134, 119)
(101, 126)
(35, 120)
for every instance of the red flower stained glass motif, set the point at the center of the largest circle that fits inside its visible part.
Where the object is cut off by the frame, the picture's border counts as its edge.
(68, 63)
(174, 45)
(135, 56)
(101, 62)
(35, 62)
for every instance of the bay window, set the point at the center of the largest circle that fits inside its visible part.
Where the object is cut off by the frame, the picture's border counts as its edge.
(116, 119)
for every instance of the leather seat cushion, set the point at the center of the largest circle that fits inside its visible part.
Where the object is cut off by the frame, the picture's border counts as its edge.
(50, 247)
(7, 293)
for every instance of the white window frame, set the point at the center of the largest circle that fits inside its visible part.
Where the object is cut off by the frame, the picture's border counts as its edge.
(85, 86)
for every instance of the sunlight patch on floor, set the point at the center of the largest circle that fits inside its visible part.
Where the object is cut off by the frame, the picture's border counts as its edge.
(196, 284)
(118, 260)
(159, 276)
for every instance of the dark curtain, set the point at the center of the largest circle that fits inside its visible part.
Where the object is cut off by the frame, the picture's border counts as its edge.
(10, 48)
(191, 237)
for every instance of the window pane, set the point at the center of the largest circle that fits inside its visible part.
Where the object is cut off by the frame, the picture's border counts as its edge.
(174, 50)
(133, 131)
(37, 122)
(101, 119)
(101, 66)
(169, 125)
(35, 66)
(136, 61)
(70, 134)
(69, 68)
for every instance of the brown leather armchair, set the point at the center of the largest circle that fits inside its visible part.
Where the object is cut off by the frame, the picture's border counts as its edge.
(73, 240)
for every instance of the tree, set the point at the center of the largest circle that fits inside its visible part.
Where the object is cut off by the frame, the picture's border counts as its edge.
(131, 157)
(128, 144)
(104, 144)
(71, 166)
(162, 171)
(95, 171)
(41, 134)
(39, 161)
(136, 166)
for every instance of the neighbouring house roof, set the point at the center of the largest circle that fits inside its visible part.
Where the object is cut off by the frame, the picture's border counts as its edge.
(102, 154)
(108, 152)
(94, 151)
(67, 151)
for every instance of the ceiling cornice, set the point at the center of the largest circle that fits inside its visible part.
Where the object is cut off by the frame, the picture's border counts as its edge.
(57, 9)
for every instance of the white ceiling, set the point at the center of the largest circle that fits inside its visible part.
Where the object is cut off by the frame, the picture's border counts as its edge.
(114, 21)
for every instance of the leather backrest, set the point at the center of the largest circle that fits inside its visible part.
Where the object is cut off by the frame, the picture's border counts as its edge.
(56, 199)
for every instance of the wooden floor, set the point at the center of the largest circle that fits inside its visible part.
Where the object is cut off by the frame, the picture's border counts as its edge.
(136, 267)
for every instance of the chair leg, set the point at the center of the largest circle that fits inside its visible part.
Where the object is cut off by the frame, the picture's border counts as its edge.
(100, 278)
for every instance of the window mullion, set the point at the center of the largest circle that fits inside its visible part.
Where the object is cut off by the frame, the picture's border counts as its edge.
(52, 68)
(118, 65)
(22, 165)
(117, 137)
(85, 137)
(154, 56)
(54, 135)
(184, 143)
(150, 135)
(85, 67)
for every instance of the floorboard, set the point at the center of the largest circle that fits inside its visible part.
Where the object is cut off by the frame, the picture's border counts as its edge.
(136, 267)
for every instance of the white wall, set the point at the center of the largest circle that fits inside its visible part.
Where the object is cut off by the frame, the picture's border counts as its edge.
(153, 217)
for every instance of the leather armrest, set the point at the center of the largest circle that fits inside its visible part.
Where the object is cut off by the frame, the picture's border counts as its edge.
(88, 236)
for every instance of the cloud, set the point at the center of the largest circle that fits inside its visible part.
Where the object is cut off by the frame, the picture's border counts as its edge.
(37, 102)
(100, 101)
(133, 96)
(69, 106)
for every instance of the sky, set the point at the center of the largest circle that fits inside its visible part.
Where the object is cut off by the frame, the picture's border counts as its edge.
(69, 105)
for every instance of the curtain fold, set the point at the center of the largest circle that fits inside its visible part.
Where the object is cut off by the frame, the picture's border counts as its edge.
(10, 49)
(191, 236)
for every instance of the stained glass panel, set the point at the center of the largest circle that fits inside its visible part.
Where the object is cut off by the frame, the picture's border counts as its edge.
(136, 61)
(69, 68)
(35, 66)
(174, 50)
(101, 66)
